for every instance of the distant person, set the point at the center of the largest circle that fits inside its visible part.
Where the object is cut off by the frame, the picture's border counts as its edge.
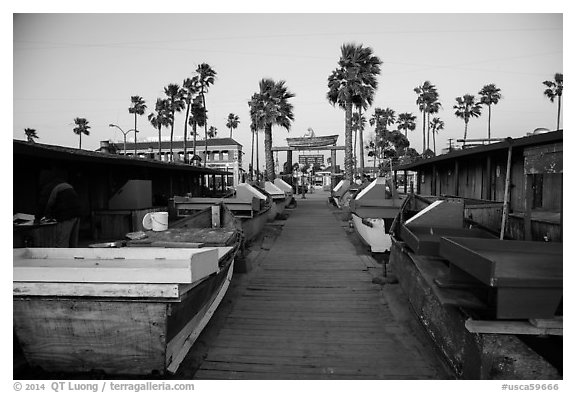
(59, 201)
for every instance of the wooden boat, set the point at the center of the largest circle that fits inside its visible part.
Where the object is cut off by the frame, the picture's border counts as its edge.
(507, 279)
(214, 226)
(279, 199)
(314, 141)
(287, 188)
(521, 279)
(124, 311)
(249, 205)
(373, 210)
(338, 192)
(423, 221)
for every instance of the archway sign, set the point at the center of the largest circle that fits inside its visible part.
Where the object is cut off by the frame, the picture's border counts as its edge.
(307, 143)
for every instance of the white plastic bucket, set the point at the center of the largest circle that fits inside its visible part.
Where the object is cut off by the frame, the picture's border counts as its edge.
(157, 221)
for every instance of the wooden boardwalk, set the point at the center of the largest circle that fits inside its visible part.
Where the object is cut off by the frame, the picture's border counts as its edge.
(312, 312)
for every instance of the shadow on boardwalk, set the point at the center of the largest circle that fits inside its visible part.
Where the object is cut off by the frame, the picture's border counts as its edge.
(309, 310)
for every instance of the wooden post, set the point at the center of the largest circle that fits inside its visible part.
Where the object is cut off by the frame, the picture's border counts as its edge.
(216, 216)
(333, 169)
(506, 190)
(528, 192)
(433, 181)
(488, 183)
(405, 181)
(456, 178)
(289, 162)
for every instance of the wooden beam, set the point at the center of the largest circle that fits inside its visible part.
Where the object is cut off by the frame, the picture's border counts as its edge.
(288, 148)
(509, 327)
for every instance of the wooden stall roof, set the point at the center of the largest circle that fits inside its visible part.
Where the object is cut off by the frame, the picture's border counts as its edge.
(539, 139)
(39, 150)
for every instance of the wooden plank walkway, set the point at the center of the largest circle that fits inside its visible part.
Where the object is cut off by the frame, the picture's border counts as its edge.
(312, 312)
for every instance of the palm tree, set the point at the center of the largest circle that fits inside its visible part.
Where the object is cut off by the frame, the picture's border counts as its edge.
(436, 124)
(175, 104)
(206, 77)
(233, 121)
(382, 118)
(467, 107)
(137, 107)
(350, 84)
(427, 94)
(490, 95)
(30, 134)
(407, 122)
(82, 127)
(433, 108)
(212, 132)
(272, 109)
(358, 123)
(162, 117)
(555, 90)
(197, 118)
(190, 88)
(257, 106)
(253, 130)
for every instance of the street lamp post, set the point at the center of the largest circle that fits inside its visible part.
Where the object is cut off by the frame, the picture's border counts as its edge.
(123, 133)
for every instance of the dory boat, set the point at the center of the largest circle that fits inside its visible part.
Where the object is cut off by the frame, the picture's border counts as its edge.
(338, 192)
(121, 311)
(287, 188)
(279, 199)
(249, 205)
(313, 141)
(373, 210)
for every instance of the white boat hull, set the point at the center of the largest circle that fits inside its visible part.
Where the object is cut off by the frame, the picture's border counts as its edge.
(373, 233)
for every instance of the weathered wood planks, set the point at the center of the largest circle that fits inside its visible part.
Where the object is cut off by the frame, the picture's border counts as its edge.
(311, 312)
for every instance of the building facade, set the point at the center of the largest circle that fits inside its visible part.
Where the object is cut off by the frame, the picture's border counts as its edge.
(223, 154)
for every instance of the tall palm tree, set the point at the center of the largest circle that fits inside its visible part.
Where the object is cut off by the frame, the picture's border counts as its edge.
(490, 95)
(190, 87)
(161, 117)
(137, 107)
(382, 118)
(206, 78)
(358, 123)
(232, 123)
(355, 77)
(467, 107)
(554, 90)
(30, 134)
(212, 132)
(433, 108)
(176, 104)
(198, 118)
(258, 108)
(82, 127)
(273, 109)
(253, 130)
(436, 124)
(407, 122)
(427, 94)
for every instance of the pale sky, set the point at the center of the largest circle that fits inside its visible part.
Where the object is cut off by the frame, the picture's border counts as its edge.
(88, 65)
